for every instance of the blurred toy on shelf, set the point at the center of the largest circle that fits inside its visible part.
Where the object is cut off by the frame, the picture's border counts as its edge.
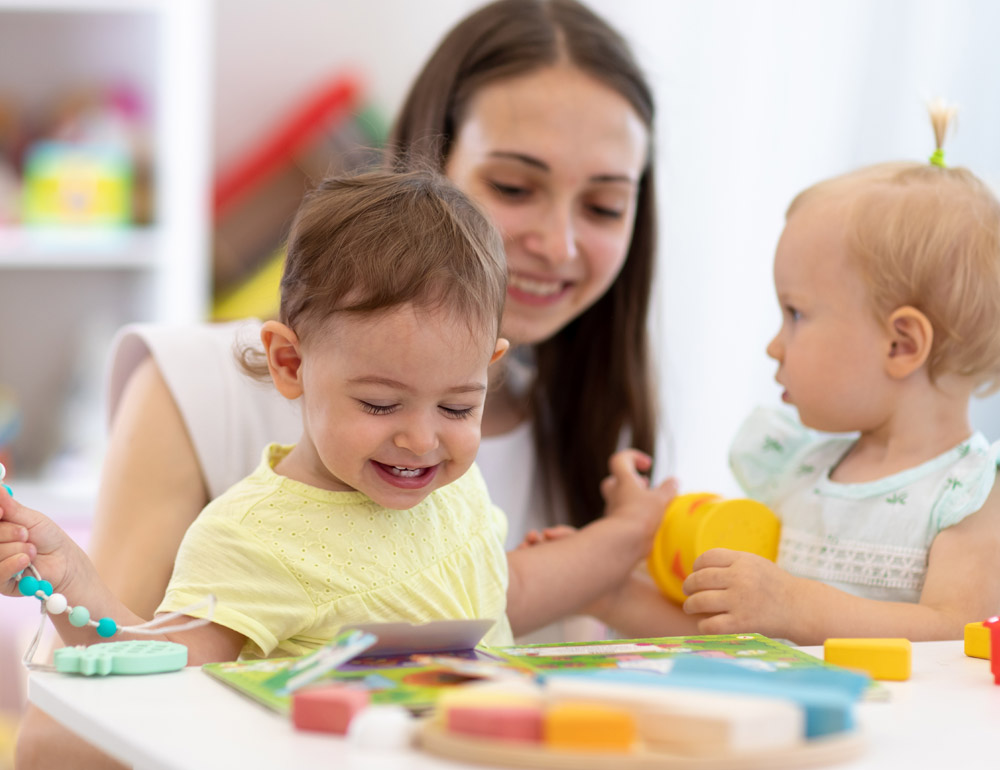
(82, 160)
(77, 184)
(254, 199)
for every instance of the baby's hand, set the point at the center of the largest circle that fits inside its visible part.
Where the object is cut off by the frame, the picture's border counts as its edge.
(741, 593)
(28, 537)
(534, 537)
(628, 494)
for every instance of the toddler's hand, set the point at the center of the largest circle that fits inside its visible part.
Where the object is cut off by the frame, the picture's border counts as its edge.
(534, 537)
(628, 494)
(741, 593)
(26, 536)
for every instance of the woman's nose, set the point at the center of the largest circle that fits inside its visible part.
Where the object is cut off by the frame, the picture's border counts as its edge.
(556, 236)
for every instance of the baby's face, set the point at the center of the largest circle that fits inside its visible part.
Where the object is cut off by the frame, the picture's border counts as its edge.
(392, 404)
(830, 349)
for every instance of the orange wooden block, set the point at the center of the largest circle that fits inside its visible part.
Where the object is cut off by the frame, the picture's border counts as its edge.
(585, 726)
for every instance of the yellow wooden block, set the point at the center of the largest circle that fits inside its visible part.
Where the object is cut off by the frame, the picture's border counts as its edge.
(977, 640)
(879, 658)
(587, 726)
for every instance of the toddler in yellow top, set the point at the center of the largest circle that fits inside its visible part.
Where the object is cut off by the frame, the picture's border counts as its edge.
(391, 301)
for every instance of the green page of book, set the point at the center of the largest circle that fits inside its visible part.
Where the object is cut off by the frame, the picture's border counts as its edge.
(413, 682)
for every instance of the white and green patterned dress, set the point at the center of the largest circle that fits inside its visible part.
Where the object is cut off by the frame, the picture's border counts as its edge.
(869, 539)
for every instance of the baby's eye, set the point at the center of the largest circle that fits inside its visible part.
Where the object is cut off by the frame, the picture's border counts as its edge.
(793, 313)
(378, 408)
(458, 413)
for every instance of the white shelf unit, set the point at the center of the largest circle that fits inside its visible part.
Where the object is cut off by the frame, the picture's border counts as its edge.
(63, 293)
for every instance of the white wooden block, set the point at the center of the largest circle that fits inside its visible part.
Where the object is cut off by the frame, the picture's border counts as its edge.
(693, 721)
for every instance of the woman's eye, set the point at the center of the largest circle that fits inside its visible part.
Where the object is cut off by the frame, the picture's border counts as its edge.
(458, 413)
(606, 212)
(509, 190)
(377, 408)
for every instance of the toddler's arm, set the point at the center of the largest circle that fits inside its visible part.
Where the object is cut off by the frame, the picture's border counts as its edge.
(746, 593)
(558, 577)
(27, 536)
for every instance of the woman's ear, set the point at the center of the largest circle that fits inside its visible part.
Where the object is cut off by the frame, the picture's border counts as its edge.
(284, 358)
(910, 338)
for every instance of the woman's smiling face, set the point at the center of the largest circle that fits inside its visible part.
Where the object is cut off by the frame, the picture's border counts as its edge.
(555, 158)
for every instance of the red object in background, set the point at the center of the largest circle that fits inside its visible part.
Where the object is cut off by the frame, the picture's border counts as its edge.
(332, 103)
(993, 624)
(256, 197)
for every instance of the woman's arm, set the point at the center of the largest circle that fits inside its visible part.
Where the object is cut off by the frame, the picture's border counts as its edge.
(559, 577)
(151, 490)
(744, 593)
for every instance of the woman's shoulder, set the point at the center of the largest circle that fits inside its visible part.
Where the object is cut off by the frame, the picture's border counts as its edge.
(181, 351)
(229, 416)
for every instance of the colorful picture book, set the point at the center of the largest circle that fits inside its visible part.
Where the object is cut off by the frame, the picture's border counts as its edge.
(416, 680)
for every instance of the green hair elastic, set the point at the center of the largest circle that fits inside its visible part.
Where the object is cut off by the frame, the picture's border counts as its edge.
(937, 158)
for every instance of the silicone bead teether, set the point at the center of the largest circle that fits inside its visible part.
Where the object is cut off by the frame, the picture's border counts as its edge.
(140, 656)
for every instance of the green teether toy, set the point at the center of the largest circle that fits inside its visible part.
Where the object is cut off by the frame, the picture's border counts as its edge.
(139, 656)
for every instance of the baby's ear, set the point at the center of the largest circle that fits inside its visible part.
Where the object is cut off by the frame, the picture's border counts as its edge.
(910, 338)
(284, 358)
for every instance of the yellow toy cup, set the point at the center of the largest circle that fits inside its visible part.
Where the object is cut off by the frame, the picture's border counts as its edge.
(696, 522)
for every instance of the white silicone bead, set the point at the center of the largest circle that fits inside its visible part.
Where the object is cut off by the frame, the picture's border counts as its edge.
(382, 727)
(56, 604)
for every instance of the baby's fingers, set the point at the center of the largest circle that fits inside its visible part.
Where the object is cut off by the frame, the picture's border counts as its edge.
(715, 557)
(707, 603)
(13, 533)
(14, 558)
(706, 579)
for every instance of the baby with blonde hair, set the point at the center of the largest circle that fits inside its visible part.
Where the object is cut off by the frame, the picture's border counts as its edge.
(888, 279)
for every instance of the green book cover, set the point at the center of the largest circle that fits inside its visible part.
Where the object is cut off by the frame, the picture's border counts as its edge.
(415, 681)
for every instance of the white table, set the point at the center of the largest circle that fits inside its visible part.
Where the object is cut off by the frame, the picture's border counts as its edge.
(946, 716)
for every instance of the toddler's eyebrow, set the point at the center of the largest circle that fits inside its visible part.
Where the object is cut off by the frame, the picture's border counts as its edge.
(470, 387)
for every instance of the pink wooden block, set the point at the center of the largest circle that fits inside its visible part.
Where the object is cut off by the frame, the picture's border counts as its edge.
(327, 709)
(508, 723)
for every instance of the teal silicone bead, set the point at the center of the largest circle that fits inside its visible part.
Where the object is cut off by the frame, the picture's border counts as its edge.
(9, 490)
(28, 585)
(106, 627)
(45, 587)
(79, 616)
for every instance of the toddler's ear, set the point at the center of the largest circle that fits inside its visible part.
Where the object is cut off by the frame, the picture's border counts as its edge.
(284, 358)
(910, 337)
(502, 347)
